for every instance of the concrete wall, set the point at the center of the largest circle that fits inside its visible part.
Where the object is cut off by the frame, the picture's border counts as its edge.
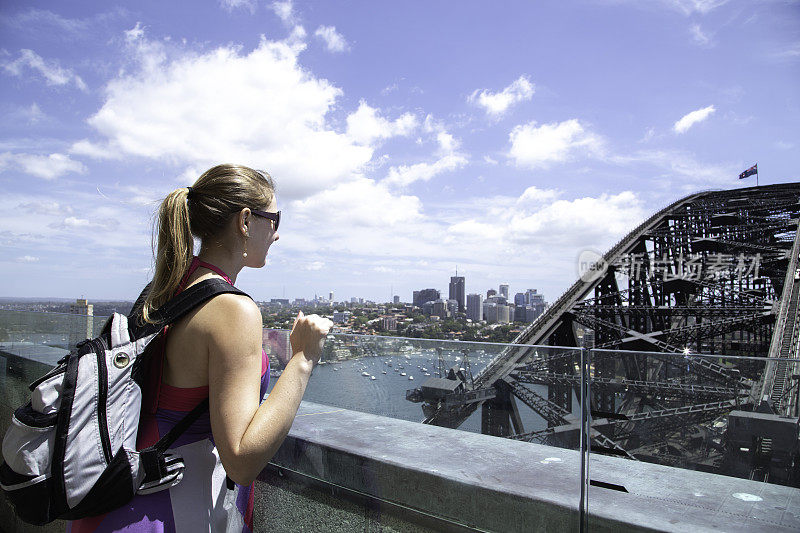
(342, 470)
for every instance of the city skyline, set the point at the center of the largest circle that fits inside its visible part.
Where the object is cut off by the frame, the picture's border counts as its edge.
(404, 139)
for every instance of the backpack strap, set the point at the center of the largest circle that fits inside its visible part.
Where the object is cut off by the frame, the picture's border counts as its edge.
(160, 466)
(177, 430)
(181, 304)
(178, 306)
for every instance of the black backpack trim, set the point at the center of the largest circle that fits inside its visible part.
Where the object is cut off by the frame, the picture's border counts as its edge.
(60, 445)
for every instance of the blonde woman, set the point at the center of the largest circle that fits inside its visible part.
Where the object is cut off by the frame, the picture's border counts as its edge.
(215, 352)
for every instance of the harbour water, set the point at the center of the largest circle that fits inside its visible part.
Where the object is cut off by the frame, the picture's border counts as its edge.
(342, 384)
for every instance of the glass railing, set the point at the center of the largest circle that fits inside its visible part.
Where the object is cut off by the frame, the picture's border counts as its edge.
(735, 416)
(441, 382)
(687, 432)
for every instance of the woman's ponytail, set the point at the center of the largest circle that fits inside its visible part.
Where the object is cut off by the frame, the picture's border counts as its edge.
(173, 251)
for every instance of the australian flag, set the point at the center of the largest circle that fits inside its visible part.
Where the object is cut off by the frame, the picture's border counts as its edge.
(749, 172)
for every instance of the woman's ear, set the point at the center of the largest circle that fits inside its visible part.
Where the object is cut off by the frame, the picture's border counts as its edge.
(244, 221)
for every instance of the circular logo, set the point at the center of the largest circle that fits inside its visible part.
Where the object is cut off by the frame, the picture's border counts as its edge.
(591, 265)
(121, 360)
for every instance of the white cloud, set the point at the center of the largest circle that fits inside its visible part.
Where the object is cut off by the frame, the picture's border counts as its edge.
(259, 108)
(448, 158)
(31, 115)
(447, 143)
(361, 203)
(365, 125)
(558, 226)
(45, 207)
(135, 33)
(489, 160)
(790, 52)
(690, 119)
(285, 11)
(39, 21)
(45, 17)
(405, 175)
(35, 114)
(48, 167)
(334, 40)
(533, 194)
(314, 265)
(495, 104)
(389, 89)
(230, 5)
(27, 259)
(50, 70)
(693, 174)
(575, 221)
(533, 146)
(688, 7)
(699, 36)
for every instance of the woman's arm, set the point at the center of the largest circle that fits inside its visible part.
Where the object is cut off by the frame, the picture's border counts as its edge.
(248, 435)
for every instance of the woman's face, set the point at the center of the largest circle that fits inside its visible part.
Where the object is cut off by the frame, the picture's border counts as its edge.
(262, 235)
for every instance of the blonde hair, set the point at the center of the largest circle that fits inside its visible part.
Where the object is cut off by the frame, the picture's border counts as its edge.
(217, 196)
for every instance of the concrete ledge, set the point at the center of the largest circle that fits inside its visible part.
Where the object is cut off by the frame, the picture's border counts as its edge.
(480, 482)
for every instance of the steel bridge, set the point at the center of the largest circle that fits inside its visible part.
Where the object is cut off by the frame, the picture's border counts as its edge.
(713, 273)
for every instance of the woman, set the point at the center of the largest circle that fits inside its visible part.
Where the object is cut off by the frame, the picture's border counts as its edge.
(215, 352)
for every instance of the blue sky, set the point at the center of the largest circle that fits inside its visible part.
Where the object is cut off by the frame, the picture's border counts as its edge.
(406, 138)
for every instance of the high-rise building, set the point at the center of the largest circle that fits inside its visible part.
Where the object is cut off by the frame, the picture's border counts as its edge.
(503, 314)
(519, 299)
(457, 291)
(497, 299)
(85, 327)
(490, 293)
(475, 307)
(440, 308)
(330, 296)
(425, 295)
(490, 312)
(504, 290)
(452, 308)
(396, 299)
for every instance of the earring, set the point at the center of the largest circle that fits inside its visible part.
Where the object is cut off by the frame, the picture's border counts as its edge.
(244, 254)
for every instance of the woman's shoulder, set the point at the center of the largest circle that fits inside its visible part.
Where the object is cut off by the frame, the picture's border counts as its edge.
(229, 310)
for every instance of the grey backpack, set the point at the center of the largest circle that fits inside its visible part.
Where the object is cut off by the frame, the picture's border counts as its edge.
(71, 451)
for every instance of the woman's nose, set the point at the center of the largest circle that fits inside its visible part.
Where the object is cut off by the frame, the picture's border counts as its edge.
(276, 236)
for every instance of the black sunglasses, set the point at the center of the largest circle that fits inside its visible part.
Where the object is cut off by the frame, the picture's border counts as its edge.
(274, 217)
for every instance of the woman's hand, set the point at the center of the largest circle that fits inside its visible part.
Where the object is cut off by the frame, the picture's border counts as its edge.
(308, 336)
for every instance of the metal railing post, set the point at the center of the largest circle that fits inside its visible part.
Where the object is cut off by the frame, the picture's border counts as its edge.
(584, 438)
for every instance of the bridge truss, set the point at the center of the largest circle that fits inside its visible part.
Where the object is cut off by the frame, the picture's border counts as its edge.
(712, 273)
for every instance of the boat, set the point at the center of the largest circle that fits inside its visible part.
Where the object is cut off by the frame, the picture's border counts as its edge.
(365, 374)
(410, 377)
(383, 372)
(372, 377)
(402, 373)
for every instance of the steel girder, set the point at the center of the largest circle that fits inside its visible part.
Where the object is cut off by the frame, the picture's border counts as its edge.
(712, 269)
